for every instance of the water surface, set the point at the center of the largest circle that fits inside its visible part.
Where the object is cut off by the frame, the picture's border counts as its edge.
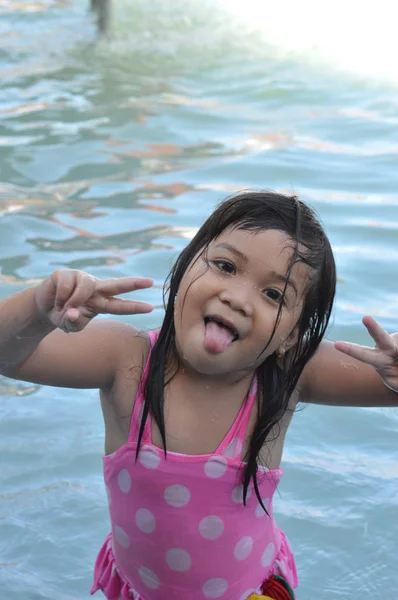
(111, 156)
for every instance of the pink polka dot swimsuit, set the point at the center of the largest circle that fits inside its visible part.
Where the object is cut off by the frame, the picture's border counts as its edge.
(179, 526)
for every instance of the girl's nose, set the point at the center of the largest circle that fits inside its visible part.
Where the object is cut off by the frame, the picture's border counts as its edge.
(238, 298)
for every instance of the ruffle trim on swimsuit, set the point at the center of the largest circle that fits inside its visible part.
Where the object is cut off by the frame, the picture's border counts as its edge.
(108, 578)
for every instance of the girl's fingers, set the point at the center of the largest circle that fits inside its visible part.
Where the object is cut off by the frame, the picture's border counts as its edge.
(381, 337)
(371, 356)
(378, 357)
(72, 327)
(83, 296)
(65, 287)
(117, 306)
(83, 291)
(72, 314)
(123, 285)
(72, 321)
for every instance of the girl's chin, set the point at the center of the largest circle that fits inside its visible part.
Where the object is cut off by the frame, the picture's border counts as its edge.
(208, 363)
(209, 369)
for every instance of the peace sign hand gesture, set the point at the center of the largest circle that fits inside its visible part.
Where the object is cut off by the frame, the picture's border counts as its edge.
(383, 357)
(70, 298)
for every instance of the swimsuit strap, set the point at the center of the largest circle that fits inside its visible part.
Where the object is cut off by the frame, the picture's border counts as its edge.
(233, 442)
(140, 400)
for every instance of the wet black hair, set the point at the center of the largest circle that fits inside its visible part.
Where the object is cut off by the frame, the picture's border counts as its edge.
(254, 211)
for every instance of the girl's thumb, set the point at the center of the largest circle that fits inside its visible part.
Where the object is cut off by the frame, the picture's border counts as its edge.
(73, 320)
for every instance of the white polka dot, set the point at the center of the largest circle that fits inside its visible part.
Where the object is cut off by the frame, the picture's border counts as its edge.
(216, 467)
(122, 537)
(214, 588)
(124, 481)
(268, 555)
(211, 527)
(237, 494)
(243, 548)
(149, 457)
(247, 594)
(234, 448)
(259, 509)
(177, 495)
(178, 559)
(149, 578)
(145, 520)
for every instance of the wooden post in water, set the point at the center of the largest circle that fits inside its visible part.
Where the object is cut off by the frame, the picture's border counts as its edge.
(103, 9)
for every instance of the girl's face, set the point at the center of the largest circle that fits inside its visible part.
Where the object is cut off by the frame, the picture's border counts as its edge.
(228, 301)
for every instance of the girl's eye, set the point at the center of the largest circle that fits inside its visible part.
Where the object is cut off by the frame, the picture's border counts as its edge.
(225, 266)
(274, 295)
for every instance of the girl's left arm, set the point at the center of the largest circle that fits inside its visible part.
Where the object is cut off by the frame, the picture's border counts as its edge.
(345, 374)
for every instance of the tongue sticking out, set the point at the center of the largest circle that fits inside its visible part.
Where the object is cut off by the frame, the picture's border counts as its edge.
(217, 337)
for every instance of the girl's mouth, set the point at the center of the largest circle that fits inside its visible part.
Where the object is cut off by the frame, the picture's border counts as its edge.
(219, 334)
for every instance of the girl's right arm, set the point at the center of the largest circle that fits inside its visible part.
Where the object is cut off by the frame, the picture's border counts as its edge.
(47, 333)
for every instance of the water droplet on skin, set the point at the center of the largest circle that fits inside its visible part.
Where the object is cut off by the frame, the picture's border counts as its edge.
(348, 366)
(207, 387)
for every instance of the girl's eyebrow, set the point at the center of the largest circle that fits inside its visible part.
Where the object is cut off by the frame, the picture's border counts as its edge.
(234, 250)
(273, 274)
(283, 279)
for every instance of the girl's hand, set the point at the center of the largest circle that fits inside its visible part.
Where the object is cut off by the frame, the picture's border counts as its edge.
(383, 357)
(69, 298)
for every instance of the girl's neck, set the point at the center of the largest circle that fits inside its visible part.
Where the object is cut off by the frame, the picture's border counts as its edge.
(212, 388)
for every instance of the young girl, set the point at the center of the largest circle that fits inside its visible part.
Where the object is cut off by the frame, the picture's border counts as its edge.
(196, 414)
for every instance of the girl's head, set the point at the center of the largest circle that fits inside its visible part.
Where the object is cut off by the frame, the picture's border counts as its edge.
(252, 291)
(257, 281)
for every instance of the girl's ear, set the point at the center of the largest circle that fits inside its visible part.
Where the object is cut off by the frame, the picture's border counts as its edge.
(288, 343)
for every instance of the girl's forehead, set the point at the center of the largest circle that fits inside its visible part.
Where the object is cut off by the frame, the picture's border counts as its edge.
(252, 245)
